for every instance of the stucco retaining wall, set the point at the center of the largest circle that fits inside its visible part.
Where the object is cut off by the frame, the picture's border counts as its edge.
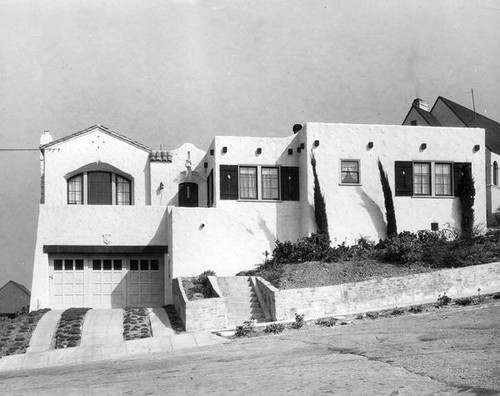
(198, 315)
(378, 294)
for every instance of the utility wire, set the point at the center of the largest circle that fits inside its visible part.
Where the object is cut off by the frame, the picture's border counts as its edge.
(19, 149)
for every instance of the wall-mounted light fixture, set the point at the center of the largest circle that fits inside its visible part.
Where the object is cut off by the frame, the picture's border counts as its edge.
(477, 147)
(224, 149)
(212, 152)
(161, 186)
(302, 146)
(290, 151)
(423, 146)
(205, 164)
(370, 145)
(259, 151)
(316, 143)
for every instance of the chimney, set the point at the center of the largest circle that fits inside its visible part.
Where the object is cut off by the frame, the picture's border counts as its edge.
(422, 104)
(46, 138)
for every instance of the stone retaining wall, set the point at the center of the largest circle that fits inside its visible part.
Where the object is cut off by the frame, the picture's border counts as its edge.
(378, 294)
(198, 315)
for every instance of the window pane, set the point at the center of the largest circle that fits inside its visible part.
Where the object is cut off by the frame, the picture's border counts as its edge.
(248, 182)
(443, 179)
(79, 265)
(58, 265)
(350, 171)
(96, 265)
(144, 265)
(75, 190)
(155, 265)
(270, 183)
(122, 191)
(117, 265)
(421, 179)
(99, 188)
(134, 265)
(68, 265)
(106, 265)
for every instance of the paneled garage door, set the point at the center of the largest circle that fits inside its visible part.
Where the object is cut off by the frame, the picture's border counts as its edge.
(106, 281)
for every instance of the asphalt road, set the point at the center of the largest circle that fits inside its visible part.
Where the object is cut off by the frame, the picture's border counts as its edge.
(445, 352)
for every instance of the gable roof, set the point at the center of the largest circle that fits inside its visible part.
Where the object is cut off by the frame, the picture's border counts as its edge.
(426, 115)
(103, 129)
(18, 285)
(476, 120)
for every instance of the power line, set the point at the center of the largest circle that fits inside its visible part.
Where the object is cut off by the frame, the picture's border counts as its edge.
(19, 149)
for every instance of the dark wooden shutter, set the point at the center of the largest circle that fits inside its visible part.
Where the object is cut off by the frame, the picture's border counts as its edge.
(229, 182)
(290, 183)
(458, 171)
(403, 171)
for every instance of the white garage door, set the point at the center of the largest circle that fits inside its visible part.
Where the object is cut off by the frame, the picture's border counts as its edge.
(106, 281)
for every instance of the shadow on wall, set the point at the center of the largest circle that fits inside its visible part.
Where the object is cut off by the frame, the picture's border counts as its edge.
(376, 214)
(271, 238)
(147, 182)
(160, 236)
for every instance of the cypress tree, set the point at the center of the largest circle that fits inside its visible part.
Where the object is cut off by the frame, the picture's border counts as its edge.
(392, 228)
(319, 203)
(467, 192)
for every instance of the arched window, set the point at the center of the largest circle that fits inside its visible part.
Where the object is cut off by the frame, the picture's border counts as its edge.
(495, 173)
(99, 188)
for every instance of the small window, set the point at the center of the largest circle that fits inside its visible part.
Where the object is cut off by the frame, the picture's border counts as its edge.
(413, 122)
(270, 183)
(144, 265)
(443, 179)
(155, 265)
(75, 190)
(79, 265)
(123, 191)
(422, 178)
(58, 265)
(106, 265)
(228, 182)
(349, 171)
(96, 265)
(68, 265)
(495, 173)
(248, 182)
(117, 265)
(134, 265)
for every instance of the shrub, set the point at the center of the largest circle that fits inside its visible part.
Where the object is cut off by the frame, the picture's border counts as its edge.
(397, 311)
(372, 315)
(299, 321)
(466, 192)
(415, 309)
(326, 322)
(247, 329)
(274, 328)
(390, 214)
(442, 300)
(204, 282)
(404, 248)
(464, 301)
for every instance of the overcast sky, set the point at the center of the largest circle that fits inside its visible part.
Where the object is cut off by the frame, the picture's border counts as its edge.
(167, 72)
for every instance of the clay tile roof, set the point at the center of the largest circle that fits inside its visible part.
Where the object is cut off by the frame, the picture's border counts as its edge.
(160, 156)
(102, 128)
(477, 121)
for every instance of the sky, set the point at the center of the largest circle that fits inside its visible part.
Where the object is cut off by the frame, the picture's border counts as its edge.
(169, 72)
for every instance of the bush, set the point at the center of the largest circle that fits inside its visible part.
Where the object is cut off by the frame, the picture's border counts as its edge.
(405, 248)
(274, 328)
(299, 321)
(247, 329)
(415, 309)
(204, 282)
(442, 300)
(326, 322)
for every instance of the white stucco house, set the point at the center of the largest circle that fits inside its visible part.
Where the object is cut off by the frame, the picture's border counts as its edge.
(446, 113)
(118, 221)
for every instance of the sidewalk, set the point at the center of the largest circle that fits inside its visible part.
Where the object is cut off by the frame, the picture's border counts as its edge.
(95, 353)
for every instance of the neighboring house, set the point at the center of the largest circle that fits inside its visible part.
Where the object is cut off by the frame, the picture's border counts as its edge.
(446, 113)
(13, 298)
(118, 220)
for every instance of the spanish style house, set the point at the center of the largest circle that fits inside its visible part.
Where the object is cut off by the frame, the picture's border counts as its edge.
(446, 113)
(118, 220)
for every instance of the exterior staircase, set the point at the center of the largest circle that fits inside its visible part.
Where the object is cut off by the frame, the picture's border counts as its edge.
(242, 303)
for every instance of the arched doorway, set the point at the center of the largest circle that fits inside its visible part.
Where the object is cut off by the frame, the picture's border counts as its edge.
(188, 195)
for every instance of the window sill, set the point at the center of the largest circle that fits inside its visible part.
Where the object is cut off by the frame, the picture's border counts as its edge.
(433, 196)
(350, 184)
(260, 200)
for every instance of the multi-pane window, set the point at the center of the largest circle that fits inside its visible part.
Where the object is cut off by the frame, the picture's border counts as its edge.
(248, 182)
(349, 171)
(421, 178)
(68, 265)
(443, 179)
(99, 188)
(270, 183)
(122, 191)
(75, 190)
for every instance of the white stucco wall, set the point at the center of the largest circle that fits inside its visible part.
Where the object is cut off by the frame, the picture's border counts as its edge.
(493, 191)
(355, 211)
(95, 148)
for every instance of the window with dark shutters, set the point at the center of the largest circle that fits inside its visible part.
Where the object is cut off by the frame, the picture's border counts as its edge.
(403, 171)
(289, 183)
(229, 182)
(458, 171)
